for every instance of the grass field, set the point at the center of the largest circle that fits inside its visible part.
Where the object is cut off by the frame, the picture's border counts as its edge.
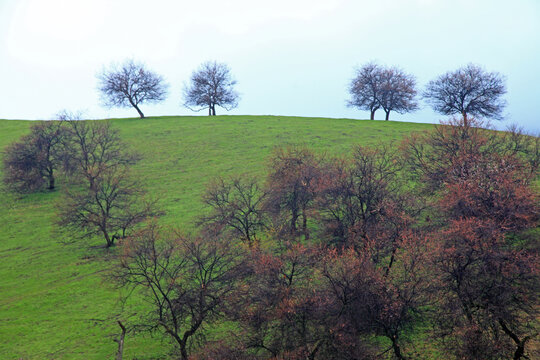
(55, 302)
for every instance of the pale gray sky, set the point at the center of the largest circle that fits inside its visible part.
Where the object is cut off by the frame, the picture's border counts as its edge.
(290, 57)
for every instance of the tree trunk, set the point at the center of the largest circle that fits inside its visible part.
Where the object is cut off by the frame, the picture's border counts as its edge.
(294, 220)
(120, 342)
(183, 352)
(387, 115)
(392, 258)
(248, 239)
(465, 120)
(372, 117)
(51, 182)
(110, 241)
(520, 349)
(304, 225)
(213, 109)
(397, 349)
(210, 110)
(139, 111)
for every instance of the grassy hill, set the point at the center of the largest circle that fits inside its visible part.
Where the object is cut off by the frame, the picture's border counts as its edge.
(54, 300)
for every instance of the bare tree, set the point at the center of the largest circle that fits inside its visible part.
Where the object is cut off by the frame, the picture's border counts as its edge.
(236, 205)
(211, 85)
(189, 282)
(96, 148)
(364, 88)
(131, 84)
(111, 202)
(31, 163)
(109, 208)
(397, 91)
(469, 91)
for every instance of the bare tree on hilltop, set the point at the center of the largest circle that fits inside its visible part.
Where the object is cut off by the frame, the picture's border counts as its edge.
(376, 87)
(397, 91)
(131, 84)
(211, 85)
(469, 91)
(364, 88)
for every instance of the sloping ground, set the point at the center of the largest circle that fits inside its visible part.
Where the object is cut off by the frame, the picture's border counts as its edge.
(55, 302)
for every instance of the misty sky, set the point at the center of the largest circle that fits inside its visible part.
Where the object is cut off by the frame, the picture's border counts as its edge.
(290, 57)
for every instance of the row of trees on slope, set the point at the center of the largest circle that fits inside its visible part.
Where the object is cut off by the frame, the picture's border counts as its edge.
(101, 196)
(131, 85)
(340, 258)
(468, 91)
(329, 258)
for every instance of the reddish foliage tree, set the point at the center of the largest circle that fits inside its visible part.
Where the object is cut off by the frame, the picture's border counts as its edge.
(288, 314)
(223, 350)
(376, 300)
(292, 188)
(432, 157)
(489, 285)
(489, 291)
(360, 199)
(282, 307)
(491, 188)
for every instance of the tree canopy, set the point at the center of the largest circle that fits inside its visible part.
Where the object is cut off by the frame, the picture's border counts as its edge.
(468, 91)
(210, 86)
(131, 84)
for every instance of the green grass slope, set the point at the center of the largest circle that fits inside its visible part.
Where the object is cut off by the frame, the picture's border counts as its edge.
(54, 300)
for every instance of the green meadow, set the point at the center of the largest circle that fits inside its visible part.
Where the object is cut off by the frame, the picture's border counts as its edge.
(55, 300)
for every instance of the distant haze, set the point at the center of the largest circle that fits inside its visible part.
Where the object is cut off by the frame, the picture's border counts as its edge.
(290, 57)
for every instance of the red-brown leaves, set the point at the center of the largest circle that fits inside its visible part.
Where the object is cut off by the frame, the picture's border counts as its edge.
(292, 188)
(488, 290)
(492, 188)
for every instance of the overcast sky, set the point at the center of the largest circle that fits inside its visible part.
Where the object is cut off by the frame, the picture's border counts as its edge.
(290, 57)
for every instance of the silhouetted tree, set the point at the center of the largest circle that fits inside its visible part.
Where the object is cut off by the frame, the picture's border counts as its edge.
(31, 163)
(210, 86)
(131, 84)
(236, 206)
(187, 281)
(468, 91)
(365, 88)
(397, 91)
